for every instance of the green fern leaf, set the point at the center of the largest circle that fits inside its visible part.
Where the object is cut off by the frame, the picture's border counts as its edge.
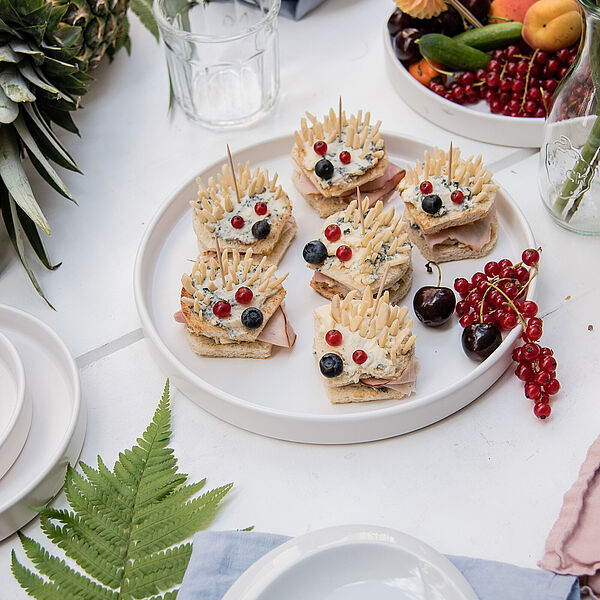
(122, 526)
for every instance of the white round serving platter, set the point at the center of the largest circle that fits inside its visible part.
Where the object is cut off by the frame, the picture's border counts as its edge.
(284, 396)
(352, 562)
(474, 121)
(57, 425)
(15, 405)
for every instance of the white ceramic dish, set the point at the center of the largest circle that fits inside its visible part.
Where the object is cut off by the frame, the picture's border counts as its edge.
(474, 121)
(58, 423)
(352, 562)
(15, 405)
(283, 396)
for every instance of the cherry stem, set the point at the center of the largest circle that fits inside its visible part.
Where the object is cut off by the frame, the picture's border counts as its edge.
(510, 302)
(430, 270)
(524, 99)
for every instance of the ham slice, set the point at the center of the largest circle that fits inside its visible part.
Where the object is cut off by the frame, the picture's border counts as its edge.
(178, 316)
(405, 382)
(475, 235)
(375, 189)
(278, 330)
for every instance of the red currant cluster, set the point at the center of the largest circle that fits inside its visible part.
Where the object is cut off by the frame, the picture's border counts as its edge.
(517, 82)
(497, 296)
(320, 148)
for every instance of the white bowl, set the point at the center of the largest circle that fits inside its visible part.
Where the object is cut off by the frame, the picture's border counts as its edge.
(15, 405)
(475, 122)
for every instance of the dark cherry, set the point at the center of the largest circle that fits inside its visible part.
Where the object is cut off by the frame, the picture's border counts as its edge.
(324, 169)
(405, 44)
(449, 23)
(479, 340)
(434, 305)
(398, 20)
(479, 8)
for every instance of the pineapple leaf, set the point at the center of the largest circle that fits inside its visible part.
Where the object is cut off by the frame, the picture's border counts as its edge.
(9, 209)
(14, 177)
(14, 86)
(9, 110)
(39, 161)
(143, 9)
(122, 526)
(38, 79)
(7, 55)
(33, 236)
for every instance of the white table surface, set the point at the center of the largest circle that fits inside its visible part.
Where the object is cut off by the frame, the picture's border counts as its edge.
(486, 482)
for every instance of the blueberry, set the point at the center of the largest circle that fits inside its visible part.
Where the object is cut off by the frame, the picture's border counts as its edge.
(252, 318)
(314, 252)
(331, 365)
(431, 203)
(261, 229)
(324, 169)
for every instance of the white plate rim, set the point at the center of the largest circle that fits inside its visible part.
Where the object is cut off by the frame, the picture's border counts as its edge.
(143, 308)
(280, 559)
(524, 127)
(74, 380)
(18, 373)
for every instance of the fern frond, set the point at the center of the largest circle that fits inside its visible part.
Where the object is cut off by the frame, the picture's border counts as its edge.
(123, 525)
(69, 582)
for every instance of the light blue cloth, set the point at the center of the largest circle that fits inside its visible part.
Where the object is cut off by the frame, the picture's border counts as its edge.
(296, 9)
(220, 557)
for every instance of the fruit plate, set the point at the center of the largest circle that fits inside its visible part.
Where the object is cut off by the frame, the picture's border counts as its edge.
(283, 396)
(351, 562)
(57, 424)
(15, 407)
(475, 122)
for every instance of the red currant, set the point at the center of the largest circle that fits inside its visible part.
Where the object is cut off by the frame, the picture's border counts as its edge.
(488, 318)
(533, 333)
(517, 354)
(244, 295)
(494, 66)
(222, 309)
(333, 233)
(524, 372)
(359, 356)
(531, 257)
(320, 148)
(482, 287)
(345, 157)
(495, 298)
(529, 309)
(532, 390)
(237, 222)
(507, 272)
(333, 337)
(462, 286)
(544, 351)
(426, 187)
(474, 299)
(522, 275)
(491, 269)
(542, 410)
(466, 320)
(531, 352)
(457, 197)
(511, 290)
(462, 308)
(542, 378)
(344, 253)
(548, 364)
(505, 262)
(508, 321)
(536, 322)
(479, 276)
(544, 398)
(552, 387)
(260, 208)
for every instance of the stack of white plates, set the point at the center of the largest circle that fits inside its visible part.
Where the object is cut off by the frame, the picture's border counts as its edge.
(42, 421)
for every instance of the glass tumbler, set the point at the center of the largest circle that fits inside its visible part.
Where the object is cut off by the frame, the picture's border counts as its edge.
(222, 57)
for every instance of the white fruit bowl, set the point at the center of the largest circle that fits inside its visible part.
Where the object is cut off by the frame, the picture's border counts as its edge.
(475, 122)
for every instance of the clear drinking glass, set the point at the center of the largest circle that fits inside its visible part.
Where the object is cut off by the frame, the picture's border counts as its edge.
(222, 56)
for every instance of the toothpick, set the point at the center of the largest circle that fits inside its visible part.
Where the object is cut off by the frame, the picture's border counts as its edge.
(219, 257)
(360, 210)
(237, 191)
(450, 165)
(340, 120)
(380, 291)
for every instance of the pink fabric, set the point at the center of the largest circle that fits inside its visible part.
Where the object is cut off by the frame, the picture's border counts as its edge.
(573, 545)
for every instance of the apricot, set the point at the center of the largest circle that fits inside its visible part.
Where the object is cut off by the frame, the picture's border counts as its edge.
(513, 10)
(552, 24)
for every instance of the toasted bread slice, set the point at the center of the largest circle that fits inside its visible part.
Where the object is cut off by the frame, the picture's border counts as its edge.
(202, 327)
(345, 187)
(357, 392)
(452, 250)
(429, 224)
(397, 290)
(205, 346)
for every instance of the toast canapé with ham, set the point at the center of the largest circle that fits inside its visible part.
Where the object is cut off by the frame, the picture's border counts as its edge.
(365, 349)
(450, 217)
